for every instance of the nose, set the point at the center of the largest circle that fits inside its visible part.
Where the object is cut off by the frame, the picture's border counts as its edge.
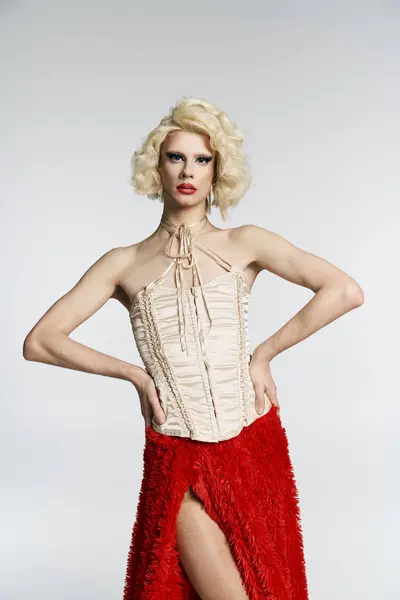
(187, 170)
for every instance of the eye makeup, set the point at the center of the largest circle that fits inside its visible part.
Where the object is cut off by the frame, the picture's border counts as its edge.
(177, 155)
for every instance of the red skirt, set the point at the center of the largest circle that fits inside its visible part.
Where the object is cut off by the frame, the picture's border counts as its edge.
(247, 486)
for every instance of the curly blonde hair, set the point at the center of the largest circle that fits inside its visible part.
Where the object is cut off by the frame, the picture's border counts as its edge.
(232, 177)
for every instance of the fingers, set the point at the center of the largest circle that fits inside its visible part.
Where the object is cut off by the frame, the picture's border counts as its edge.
(262, 390)
(271, 392)
(157, 411)
(147, 420)
(259, 399)
(150, 405)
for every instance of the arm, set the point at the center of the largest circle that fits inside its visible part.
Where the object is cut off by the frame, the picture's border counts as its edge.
(49, 342)
(335, 293)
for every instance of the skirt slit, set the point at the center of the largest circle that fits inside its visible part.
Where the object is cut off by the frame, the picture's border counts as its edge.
(246, 485)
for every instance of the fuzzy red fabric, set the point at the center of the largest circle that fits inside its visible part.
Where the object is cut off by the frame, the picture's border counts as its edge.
(247, 486)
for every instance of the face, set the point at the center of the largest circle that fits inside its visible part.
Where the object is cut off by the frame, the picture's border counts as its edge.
(186, 158)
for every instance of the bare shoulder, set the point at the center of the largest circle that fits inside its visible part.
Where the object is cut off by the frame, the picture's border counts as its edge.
(122, 258)
(114, 264)
(233, 244)
(273, 252)
(127, 264)
(116, 260)
(261, 243)
(249, 238)
(247, 232)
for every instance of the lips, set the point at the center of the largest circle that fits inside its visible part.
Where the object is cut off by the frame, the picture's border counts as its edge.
(186, 186)
(187, 189)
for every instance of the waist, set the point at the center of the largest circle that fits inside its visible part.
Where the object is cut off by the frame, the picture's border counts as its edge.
(202, 415)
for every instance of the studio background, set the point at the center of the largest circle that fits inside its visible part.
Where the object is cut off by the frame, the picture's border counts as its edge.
(315, 90)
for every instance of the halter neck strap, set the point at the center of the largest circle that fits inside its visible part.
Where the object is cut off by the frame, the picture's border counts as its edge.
(186, 238)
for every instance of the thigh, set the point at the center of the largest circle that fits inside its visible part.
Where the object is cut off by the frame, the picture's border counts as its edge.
(205, 553)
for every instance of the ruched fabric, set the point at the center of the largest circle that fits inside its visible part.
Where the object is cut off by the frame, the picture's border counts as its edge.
(206, 392)
(194, 343)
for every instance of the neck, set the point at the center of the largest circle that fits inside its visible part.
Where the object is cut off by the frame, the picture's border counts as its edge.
(195, 227)
(187, 217)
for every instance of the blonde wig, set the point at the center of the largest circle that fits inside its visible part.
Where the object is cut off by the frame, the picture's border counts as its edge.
(232, 177)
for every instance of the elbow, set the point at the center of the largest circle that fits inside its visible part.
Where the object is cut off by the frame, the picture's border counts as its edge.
(354, 295)
(32, 348)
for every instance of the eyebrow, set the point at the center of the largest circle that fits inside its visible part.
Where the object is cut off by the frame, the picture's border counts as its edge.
(183, 154)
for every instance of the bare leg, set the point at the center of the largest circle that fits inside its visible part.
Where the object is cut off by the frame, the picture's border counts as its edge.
(205, 553)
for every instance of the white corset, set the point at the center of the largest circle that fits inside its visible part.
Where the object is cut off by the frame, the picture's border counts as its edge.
(194, 344)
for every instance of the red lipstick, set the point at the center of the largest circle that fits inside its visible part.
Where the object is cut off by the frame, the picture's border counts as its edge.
(186, 188)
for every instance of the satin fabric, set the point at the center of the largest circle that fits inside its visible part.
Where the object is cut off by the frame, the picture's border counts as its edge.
(206, 378)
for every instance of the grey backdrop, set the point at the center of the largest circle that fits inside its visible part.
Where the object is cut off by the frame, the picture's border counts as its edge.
(315, 88)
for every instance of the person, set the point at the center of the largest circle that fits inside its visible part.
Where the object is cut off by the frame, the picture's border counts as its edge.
(218, 515)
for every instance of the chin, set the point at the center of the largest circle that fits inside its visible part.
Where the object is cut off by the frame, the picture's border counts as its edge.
(189, 200)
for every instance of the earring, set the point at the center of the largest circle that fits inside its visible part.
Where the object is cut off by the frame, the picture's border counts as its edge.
(160, 193)
(210, 199)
